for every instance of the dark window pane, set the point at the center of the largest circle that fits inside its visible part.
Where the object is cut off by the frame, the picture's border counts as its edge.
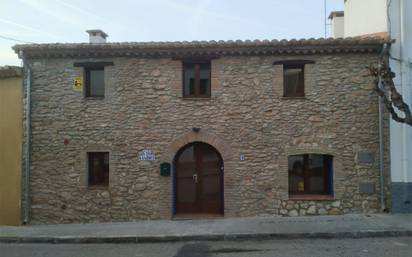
(189, 80)
(293, 81)
(328, 174)
(203, 87)
(98, 163)
(196, 81)
(204, 77)
(316, 174)
(95, 82)
(191, 86)
(296, 174)
(310, 174)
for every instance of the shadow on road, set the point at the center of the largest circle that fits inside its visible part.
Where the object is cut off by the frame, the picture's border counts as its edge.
(204, 250)
(194, 250)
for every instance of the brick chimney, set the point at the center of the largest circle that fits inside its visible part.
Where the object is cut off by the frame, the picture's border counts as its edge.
(97, 36)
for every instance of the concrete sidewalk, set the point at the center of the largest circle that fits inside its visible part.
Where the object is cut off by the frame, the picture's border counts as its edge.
(345, 226)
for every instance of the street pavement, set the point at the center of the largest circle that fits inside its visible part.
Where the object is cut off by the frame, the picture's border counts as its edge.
(362, 247)
(340, 226)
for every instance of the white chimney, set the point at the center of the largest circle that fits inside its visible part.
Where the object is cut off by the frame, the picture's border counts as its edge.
(337, 19)
(97, 36)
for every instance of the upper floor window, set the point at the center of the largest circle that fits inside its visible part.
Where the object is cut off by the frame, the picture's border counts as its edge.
(293, 80)
(196, 79)
(98, 166)
(94, 77)
(293, 76)
(94, 82)
(310, 174)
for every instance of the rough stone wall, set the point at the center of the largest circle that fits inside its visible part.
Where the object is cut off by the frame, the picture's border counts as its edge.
(143, 109)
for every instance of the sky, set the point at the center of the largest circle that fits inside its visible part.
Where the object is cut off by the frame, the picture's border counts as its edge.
(51, 21)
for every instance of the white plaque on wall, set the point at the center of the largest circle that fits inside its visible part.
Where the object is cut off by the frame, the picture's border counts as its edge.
(147, 155)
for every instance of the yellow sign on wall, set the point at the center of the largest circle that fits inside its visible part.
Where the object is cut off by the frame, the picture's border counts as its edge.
(77, 85)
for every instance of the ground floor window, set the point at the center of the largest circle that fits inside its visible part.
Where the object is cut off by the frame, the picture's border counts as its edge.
(310, 174)
(98, 167)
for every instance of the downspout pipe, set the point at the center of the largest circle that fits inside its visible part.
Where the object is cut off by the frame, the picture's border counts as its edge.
(381, 139)
(27, 150)
(404, 85)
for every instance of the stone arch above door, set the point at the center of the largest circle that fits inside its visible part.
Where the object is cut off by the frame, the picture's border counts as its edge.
(222, 147)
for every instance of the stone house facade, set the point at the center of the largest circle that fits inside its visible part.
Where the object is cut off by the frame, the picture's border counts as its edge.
(238, 151)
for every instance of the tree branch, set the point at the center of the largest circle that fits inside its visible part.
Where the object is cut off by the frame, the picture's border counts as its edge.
(391, 97)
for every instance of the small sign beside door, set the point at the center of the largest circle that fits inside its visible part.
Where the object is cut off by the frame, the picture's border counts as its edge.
(77, 85)
(147, 155)
(165, 169)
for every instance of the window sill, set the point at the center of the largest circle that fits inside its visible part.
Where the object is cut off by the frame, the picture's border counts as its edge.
(293, 97)
(98, 187)
(94, 97)
(197, 98)
(312, 197)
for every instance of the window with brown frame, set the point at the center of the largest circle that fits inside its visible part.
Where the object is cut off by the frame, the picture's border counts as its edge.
(94, 77)
(293, 80)
(98, 166)
(94, 82)
(196, 79)
(310, 174)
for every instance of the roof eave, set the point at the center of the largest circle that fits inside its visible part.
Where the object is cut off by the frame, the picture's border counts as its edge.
(201, 48)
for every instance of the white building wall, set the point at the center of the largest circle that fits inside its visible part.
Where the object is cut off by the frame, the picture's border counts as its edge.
(400, 29)
(401, 51)
(368, 17)
(364, 17)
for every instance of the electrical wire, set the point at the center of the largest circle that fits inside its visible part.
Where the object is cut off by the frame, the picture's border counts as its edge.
(16, 40)
(389, 18)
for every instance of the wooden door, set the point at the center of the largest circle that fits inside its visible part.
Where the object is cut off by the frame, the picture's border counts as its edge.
(199, 180)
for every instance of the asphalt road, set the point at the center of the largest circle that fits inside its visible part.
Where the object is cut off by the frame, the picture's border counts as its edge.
(376, 247)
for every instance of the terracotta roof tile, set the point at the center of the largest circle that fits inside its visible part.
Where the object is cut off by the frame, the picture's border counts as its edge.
(196, 48)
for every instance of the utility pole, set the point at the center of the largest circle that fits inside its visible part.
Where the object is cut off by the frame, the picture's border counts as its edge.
(325, 20)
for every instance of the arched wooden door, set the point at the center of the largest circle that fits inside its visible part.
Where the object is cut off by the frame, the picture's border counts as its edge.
(199, 180)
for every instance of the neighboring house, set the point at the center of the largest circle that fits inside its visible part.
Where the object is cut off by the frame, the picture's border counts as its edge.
(160, 130)
(365, 18)
(11, 109)
(391, 18)
(337, 24)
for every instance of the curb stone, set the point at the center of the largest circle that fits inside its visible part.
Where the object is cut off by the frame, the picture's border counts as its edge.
(211, 237)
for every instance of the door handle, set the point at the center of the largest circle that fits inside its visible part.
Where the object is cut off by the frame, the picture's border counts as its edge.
(195, 178)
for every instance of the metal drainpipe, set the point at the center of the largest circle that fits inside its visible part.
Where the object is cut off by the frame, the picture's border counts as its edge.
(381, 145)
(404, 93)
(27, 150)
